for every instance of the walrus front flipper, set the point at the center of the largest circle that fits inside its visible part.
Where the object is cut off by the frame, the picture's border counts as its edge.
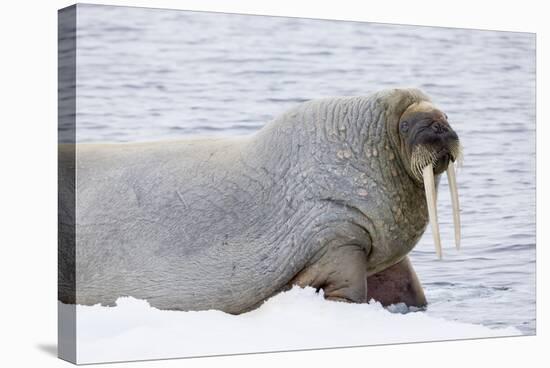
(397, 284)
(341, 273)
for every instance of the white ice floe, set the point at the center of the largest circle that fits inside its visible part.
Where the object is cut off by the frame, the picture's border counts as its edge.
(296, 319)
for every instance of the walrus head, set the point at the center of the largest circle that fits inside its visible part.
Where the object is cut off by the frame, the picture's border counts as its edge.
(429, 147)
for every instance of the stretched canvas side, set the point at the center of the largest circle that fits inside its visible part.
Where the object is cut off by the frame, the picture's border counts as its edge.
(66, 314)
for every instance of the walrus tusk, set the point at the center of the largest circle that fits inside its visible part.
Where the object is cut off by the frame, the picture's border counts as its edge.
(429, 187)
(454, 199)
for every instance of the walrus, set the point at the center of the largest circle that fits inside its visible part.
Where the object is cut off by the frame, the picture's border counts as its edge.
(332, 194)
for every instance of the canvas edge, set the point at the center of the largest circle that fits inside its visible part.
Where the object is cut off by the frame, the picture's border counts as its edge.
(66, 95)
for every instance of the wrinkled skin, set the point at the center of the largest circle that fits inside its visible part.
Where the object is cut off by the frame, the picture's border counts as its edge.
(321, 196)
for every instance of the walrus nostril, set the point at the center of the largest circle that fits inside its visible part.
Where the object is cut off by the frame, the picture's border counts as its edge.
(439, 128)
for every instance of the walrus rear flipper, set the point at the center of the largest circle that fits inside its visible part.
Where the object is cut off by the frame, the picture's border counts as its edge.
(397, 284)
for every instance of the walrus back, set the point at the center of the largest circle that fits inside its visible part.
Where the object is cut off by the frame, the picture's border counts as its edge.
(154, 222)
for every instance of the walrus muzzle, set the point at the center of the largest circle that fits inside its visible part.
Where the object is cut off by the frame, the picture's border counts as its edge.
(426, 162)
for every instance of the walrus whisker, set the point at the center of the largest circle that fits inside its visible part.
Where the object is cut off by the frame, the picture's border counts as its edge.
(421, 157)
(456, 152)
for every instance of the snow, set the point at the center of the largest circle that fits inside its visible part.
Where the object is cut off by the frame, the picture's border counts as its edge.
(293, 320)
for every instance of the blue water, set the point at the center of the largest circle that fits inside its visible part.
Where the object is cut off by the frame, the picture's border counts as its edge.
(145, 74)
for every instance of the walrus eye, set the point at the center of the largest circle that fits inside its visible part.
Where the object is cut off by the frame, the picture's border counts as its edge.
(404, 126)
